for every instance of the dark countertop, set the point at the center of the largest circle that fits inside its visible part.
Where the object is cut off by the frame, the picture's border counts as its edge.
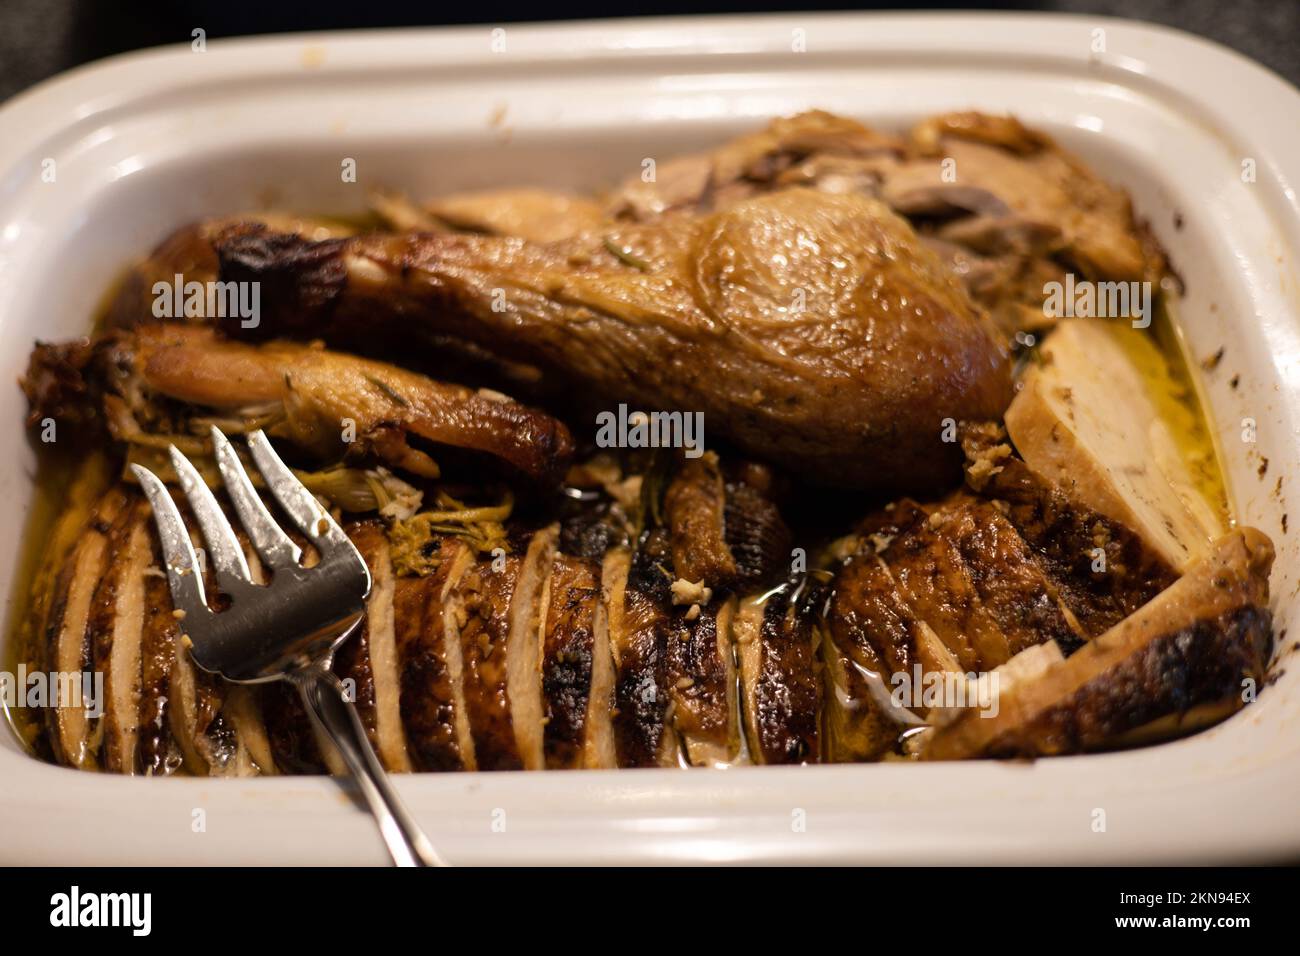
(39, 38)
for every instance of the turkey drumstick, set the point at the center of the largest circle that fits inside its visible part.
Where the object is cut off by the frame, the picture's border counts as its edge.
(810, 329)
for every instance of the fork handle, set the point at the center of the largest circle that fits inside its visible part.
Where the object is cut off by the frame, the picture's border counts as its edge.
(333, 714)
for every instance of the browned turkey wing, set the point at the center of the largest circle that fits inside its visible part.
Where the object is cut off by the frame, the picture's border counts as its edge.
(328, 403)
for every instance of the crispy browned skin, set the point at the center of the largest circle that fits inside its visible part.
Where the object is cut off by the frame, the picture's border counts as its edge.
(66, 643)
(934, 578)
(976, 578)
(757, 537)
(695, 507)
(1064, 536)
(786, 701)
(871, 632)
(370, 658)
(1204, 662)
(1014, 590)
(486, 592)
(966, 571)
(320, 389)
(948, 586)
(1187, 650)
(568, 646)
(158, 753)
(352, 665)
(807, 327)
(320, 392)
(427, 697)
(1019, 211)
(1194, 644)
(188, 252)
(352, 659)
(100, 632)
(870, 620)
(57, 386)
(642, 733)
(701, 685)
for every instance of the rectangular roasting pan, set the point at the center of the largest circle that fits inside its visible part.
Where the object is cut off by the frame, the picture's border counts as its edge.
(147, 141)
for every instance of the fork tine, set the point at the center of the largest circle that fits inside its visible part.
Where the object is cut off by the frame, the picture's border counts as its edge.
(183, 576)
(274, 546)
(299, 503)
(228, 562)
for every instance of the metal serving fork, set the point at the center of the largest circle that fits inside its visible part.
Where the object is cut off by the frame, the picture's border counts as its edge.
(289, 629)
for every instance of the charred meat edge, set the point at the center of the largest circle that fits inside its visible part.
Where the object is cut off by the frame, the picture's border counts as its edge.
(1191, 645)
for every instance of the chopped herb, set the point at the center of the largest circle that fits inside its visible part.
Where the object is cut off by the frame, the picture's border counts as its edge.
(388, 390)
(625, 256)
(480, 528)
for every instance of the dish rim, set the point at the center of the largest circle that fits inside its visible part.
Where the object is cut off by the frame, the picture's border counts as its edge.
(667, 816)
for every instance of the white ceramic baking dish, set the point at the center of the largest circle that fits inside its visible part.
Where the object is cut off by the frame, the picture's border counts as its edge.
(142, 143)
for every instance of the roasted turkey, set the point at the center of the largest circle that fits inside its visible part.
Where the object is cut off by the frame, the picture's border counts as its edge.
(557, 652)
(841, 312)
(804, 326)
